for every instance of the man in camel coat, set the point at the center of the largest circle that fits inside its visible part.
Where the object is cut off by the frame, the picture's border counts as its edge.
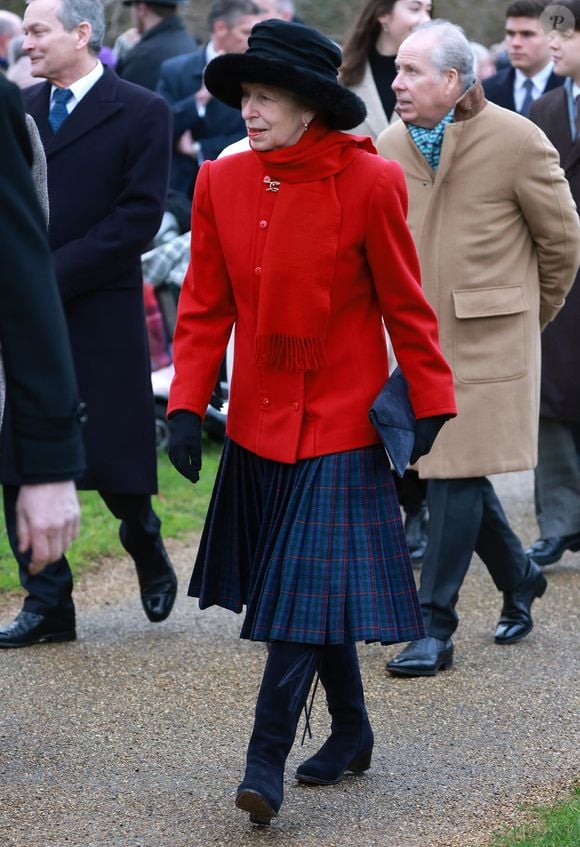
(499, 242)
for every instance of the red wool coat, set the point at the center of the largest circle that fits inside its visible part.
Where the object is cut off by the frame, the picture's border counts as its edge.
(284, 415)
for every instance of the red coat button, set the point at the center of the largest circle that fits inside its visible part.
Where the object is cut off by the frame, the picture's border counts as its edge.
(265, 402)
(258, 271)
(295, 406)
(263, 224)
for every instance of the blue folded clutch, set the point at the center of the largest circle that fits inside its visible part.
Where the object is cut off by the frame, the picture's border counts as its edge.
(394, 419)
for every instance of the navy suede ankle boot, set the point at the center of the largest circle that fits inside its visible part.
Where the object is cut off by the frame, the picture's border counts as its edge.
(288, 674)
(350, 745)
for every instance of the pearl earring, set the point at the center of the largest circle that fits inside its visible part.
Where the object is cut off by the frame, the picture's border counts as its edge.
(305, 125)
(385, 27)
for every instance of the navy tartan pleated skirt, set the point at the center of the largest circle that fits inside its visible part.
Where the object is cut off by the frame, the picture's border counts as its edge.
(316, 551)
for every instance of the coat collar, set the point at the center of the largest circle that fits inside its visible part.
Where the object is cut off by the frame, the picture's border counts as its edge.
(470, 104)
(95, 107)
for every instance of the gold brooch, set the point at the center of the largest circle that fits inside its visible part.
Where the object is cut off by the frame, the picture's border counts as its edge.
(273, 184)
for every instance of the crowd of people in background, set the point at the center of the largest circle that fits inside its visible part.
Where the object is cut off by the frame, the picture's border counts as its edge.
(154, 122)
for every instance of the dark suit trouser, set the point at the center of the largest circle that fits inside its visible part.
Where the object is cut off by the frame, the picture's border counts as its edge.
(557, 478)
(465, 517)
(50, 592)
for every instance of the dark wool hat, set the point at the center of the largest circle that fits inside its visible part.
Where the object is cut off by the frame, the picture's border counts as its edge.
(292, 56)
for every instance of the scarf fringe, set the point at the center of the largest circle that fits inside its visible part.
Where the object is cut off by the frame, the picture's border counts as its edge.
(290, 353)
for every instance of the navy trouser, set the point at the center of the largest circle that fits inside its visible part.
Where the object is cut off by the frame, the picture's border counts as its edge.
(465, 517)
(50, 592)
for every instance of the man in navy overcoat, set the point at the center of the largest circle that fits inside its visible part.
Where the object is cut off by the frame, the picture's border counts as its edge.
(202, 125)
(108, 145)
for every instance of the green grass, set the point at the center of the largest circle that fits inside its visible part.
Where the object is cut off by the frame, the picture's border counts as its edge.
(555, 826)
(180, 505)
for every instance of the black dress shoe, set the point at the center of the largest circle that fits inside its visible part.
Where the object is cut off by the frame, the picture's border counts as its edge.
(157, 584)
(29, 628)
(516, 619)
(547, 551)
(416, 530)
(423, 658)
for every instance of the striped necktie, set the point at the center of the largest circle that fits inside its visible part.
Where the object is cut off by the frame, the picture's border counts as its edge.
(58, 110)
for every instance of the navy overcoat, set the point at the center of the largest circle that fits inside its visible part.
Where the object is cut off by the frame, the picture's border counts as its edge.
(179, 80)
(108, 168)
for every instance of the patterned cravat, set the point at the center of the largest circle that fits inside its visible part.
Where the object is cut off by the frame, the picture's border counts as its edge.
(58, 111)
(528, 99)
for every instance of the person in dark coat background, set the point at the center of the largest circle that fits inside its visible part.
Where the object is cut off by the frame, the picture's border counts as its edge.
(202, 126)
(531, 72)
(557, 475)
(108, 164)
(163, 35)
(46, 412)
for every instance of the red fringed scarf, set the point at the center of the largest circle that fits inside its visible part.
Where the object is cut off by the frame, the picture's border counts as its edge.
(301, 251)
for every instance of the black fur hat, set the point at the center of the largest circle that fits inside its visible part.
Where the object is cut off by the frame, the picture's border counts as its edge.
(292, 56)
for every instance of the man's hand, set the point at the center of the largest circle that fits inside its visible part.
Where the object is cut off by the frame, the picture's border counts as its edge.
(47, 521)
(202, 97)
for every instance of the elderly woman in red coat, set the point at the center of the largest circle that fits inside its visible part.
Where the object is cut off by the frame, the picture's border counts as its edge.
(301, 243)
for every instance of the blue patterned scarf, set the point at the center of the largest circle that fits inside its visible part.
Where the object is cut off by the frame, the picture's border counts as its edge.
(430, 141)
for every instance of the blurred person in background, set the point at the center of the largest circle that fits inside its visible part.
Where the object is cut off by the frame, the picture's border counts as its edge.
(202, 126)
(162, 35)
(369, 51)
(484, 62)
(10, 27)
(531, 72)
(557, 474)
(283, 10)
(19, 68)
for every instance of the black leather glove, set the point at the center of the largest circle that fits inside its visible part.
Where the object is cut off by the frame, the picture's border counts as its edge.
(185, 443)
(426, 431)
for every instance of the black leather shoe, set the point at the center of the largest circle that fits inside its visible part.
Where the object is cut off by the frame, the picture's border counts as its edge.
(29, 628)
(423, 658)
(516, 619)
(547, 551)
(158, 585)
(416, 529)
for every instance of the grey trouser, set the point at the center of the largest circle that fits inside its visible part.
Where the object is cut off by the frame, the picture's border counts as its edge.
(557, 478)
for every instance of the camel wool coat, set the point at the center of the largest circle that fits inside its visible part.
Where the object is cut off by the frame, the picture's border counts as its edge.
(498, 239)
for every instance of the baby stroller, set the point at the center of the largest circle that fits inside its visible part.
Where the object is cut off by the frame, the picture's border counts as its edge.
(164, 267)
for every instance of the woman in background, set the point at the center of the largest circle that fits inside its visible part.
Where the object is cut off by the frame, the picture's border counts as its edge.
(369, 52)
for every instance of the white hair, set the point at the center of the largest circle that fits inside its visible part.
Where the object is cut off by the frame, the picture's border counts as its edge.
(452, 50)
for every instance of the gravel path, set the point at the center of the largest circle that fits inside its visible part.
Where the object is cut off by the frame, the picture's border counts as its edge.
(134, 736)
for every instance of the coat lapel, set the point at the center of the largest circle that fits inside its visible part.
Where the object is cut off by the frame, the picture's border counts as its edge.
(95, 107)
(559, 124)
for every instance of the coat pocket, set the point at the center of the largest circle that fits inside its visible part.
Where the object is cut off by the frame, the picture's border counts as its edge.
(490, 340)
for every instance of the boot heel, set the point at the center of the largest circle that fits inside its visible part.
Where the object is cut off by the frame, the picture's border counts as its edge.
(361, 762)
(446, 665)
(261, 812)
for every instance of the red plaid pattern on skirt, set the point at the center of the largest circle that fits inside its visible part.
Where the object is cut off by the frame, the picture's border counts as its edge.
(316, 551)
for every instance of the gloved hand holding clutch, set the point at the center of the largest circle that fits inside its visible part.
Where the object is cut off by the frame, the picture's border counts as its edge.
(426, 431)
(185, 443)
